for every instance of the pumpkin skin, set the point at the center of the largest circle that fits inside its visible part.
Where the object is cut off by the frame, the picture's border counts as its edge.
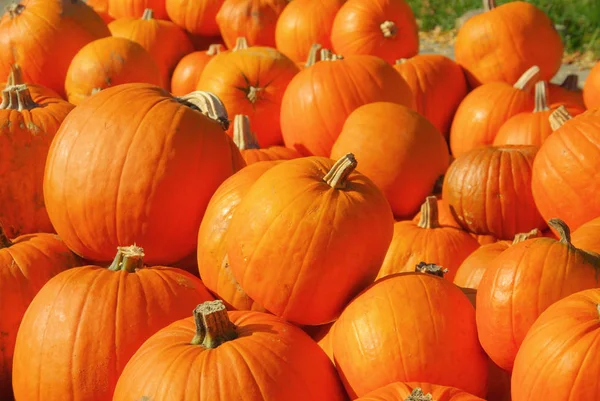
(325, 94)
(415, 314)
(557, 350)
(505, 310)
(26, 264)
(101, 8)
(109, 62)
(143, 198)
(444, 214)
(304, 22)
(303, 200)
(486, 54)
(27, 127)
(505, 206)
(400, 391)
(252, 82)
(438, 85)
(382, 28)
(189, 69)
(399, 150)
(42, 36)
(196, 17)
(323, 336)
(591, 88)
(57, 353)
(135, 8)
(587, 236)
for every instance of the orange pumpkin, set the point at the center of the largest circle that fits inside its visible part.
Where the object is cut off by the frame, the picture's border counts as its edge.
(147, 147)
(135, 8)
(196, 17)
(591, 88)
(165, 41)
(504, 206)
(252, 82)
(568, 92)
(326, 93)
(418, 392)
(323, 336)
(504, 41)
(309, 281)
(101, 7)
(444, 214)
(522, 282)
(42, 36)
(109, 62)
(382, 28)
(58, 352)
(484, 110)
(15, 77)
(587, 236)
(438, 85)
(189, 69)
(416, 314)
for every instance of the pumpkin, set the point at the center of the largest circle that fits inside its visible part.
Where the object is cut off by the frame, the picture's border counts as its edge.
(101, 8)
(587, 236)
(517, 287)
(15, 77)
(267, 359)
(134, 187)
(337, 226)
(412, 243)
(252, 82)
(213, 263)
(399, 150)
(530, 128)
(444, 214)
(559, 349)
(189, 69)
(165, 41)
(483, 111)
(254, 19)
(504, 206)
(109, 62)
(504, 41)
(326, 93)
(415, 314)
(382, 28)
(322, 335)
(27, 128)
(564, 181)
(119, 9)
(196, 17)
(27, 263)
(591, 88)
(568, 92)
(438, 85)
(399, 391)
(303, 23)
(42, 36)
(85, 323)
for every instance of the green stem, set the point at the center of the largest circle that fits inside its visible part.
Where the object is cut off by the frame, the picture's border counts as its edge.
(213, 326)
(128, 258)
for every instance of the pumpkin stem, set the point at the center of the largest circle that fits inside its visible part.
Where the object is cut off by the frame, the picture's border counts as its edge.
(213, 326)
(541, 97)
(328, 55)
(525, 236)
(528, 79)
(214, 49)
(5, 242)
(336, 177)
(15, 76)
(240, 44)
(389, 29)
(571, 82)
(429, 213)
(128, 258)
(253, 93)
(431, 268)
(559, 117)
(562, 229)
(418, 395)
(313, 54)
(243, 137)
(401, 61)
(489, 5)
(17, 98)
(148, 14)
(14, 9)
(208, 104)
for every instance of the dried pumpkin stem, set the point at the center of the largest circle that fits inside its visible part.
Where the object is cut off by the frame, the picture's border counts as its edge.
(571, 82)
(431, 268)
(389, 29)
(214, 49)
(208, 104)
(528, 80)
(336, 177)
(240, 44)
(328, 55)
(598, 309)
(15, 76)
(253, 93)
(17, 97)
(313, 54)
(559, 117)
(213, 326)
(242, 135)
(5, 242)
(489, 5)
(525, 236)
(429, 213)
(541, 97)
(14, 9)
(562, 229)
(401, 61)
(148, 14)
(418, 395)
(128, 258)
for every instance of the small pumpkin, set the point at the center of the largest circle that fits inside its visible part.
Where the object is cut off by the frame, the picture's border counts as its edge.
(187, 74)
(196, 17)
(567, 92)
(135, 8)
(591, 88)
(400, 391)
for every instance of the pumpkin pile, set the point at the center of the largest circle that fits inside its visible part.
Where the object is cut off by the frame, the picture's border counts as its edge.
(271, 200)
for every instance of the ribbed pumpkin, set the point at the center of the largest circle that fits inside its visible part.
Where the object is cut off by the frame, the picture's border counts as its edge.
(187, 74)
(27, 127)
(135, 8)
(252, 82)
(15, 77)
(484, 110)
(568, 92)
(309, 281)
(438, 85)
(591, 88)
(522, 282)
(85, 323)
(504, 41)
(325, 94)
(109, 62)
(26, 263)
(409, 314)
(196, 17)
(504, 206)
(248, 145)
(400, 391)
(382, 28)
(587, 236)
(42, 36)
(556, 361)
(143, 149)
(166, 42)
(266, 359)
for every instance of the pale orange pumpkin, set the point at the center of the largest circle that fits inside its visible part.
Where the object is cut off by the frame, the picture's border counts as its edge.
(197, 17)
(187, 74)
(587, 236)
(591, 88)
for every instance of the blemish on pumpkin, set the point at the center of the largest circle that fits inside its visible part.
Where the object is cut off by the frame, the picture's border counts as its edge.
(184, 282)
(33, 128)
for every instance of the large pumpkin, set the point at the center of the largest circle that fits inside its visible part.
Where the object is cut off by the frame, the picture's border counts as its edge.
(26, 263)
(196, 17)
(135, 8)
(591, 88)
(587, 236)
(42, 36)
(325, 94)
(187, 74)
(504, 41)
(320, 227)
(400, 391)
(122, 165)
(27, 127)
(522, 282)
(85, 323)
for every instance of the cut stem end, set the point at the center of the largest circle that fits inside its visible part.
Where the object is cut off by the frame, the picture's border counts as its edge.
(128, 258)
(213, 326)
